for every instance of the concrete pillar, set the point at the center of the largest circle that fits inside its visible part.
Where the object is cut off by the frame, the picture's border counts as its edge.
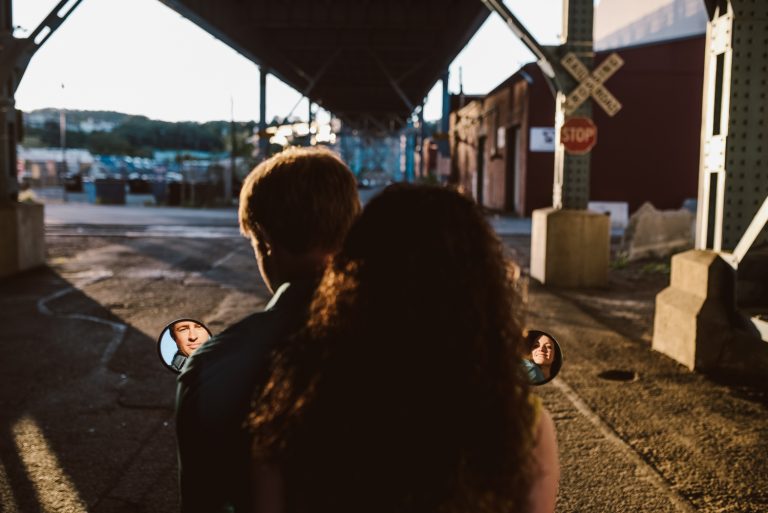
(692, 319)
(22, 237)
(572, 247)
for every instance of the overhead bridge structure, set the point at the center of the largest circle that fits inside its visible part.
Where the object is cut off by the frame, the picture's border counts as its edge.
(370, 63)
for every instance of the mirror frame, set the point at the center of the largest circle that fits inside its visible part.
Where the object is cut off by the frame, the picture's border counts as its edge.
(557, 364)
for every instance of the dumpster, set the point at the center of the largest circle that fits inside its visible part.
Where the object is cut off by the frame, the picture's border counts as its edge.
(159, 191)
(105, 191)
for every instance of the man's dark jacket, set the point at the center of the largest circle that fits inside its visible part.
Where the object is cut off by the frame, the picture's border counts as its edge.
(213, 399)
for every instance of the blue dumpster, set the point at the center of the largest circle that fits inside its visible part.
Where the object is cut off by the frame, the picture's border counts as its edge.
(89, 188)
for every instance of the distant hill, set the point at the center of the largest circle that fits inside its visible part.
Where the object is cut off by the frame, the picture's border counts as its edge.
(108, 132)
(75, 116)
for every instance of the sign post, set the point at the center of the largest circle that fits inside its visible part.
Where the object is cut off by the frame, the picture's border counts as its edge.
(570, 246)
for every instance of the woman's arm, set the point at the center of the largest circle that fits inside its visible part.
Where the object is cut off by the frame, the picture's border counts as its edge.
(543, 493)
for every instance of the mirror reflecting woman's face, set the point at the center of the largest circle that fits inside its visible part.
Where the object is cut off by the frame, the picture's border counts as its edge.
(179, 340)
(544, 359)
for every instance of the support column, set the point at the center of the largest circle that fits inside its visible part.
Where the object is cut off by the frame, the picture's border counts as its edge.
(420, 145)
(445, 121)
(263, 138)
(409, 148)
(22, 245)
(570, 246)
(702, 326)
(733, 172)
(8, 189)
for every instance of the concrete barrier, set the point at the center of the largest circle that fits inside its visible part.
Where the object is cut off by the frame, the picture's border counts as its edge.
(22, 237)
(657, 233)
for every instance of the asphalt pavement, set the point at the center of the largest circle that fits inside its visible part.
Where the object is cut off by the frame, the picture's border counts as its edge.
(86, 408)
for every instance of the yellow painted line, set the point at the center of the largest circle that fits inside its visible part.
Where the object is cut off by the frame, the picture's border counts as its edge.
(53, 487)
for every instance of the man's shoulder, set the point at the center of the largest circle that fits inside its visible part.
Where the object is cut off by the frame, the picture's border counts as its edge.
(245, 336)
(246, 342)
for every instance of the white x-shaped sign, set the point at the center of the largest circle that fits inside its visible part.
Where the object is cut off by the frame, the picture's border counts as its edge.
(592, 84)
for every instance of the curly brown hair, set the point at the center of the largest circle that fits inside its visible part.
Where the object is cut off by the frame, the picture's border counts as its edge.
(403, 394)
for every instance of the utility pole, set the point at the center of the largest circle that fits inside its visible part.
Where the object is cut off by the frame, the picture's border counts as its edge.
(228, 172)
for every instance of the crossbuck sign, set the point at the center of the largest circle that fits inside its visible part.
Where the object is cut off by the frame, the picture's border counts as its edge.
(591, 84)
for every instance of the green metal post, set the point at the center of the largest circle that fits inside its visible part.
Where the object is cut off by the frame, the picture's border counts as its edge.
(571, 183)
(733, 176)
(8, 182)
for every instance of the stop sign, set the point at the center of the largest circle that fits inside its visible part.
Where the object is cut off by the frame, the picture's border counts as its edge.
(578, 135)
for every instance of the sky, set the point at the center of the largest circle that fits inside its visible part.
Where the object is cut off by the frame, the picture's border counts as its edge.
(141, 57)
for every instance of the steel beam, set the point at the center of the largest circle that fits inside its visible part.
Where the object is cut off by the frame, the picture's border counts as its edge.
(546, 61)
(445, 120)
(572, 172)
(733, 171)
(14, 59)
(408, 103)
(8, 180)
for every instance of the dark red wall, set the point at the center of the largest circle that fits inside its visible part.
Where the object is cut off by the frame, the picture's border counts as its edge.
(649, 151)
(540, 167)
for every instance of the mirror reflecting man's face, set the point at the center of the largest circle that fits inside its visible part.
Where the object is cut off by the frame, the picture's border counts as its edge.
(189, 335)
(543, 351)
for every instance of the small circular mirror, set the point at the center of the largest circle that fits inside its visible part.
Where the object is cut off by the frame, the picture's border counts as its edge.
(544, 357)
(178, 340)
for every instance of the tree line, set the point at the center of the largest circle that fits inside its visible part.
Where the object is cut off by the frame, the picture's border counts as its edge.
(138, 136)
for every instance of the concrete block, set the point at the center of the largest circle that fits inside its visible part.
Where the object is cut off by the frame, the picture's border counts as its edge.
(22, 237)
(692, 320)
(570, 248)
(658, 233)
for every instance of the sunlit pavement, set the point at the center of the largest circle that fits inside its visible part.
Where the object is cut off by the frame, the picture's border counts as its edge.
(86, 407)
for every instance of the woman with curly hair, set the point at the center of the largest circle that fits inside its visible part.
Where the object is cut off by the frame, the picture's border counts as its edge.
(404, 394)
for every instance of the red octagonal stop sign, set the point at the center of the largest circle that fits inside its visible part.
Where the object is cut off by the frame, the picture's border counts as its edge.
(578, 135)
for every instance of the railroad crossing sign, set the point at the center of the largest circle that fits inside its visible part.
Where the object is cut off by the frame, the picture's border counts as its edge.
(591, 84)
(578, 135)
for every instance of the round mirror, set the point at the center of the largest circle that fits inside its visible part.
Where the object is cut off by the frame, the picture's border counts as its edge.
(544, 357)
(179, 340)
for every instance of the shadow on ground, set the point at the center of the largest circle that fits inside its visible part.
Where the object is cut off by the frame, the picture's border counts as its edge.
(87, 411)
